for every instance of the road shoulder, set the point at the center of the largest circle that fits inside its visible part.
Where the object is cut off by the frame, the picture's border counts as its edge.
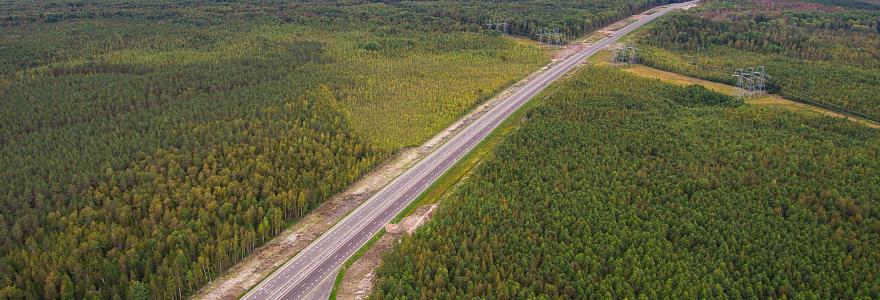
(357, 276)
(266, 259)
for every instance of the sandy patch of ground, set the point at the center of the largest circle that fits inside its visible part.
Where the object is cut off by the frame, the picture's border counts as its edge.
(689, 6)
(679, 79)
(568, 50)
(360, 277)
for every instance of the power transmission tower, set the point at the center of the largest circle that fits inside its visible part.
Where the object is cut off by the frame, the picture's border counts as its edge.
(627, 54)
(740, 83)
(619, 55)
(633, 54)
(556, 34)
(751, 81)
(549, 35)
(497, 26)
(760, 76)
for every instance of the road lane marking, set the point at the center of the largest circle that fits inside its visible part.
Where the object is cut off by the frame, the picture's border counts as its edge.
(479, 129)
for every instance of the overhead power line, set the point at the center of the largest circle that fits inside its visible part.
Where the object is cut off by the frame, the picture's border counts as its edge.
(760, 78)
(627, 54)
(751, 81)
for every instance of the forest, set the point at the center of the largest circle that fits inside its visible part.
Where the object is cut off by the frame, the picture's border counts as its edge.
(529, 18)
(825, 53)
(622, 187)
(146, 146)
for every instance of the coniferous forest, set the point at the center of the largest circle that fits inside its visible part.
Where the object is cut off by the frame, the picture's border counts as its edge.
(528, 18)
(825, 53)
(147, 146)
(619, 187)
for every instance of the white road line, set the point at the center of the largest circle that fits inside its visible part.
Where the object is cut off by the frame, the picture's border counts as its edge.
(416, 178)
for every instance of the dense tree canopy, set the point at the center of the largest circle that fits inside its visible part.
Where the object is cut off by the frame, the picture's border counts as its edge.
(817, 53)
(146, 146)
(528, 18)
(623, 187)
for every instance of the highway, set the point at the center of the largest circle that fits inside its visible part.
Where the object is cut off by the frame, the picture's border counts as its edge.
(299, 277)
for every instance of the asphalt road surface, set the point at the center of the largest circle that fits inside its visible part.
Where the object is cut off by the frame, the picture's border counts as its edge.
(301, 277)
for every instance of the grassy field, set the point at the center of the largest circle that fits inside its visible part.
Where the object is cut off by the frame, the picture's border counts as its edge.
(432, 87)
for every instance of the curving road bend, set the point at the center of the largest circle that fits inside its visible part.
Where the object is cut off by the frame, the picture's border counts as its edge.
(301, 277)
